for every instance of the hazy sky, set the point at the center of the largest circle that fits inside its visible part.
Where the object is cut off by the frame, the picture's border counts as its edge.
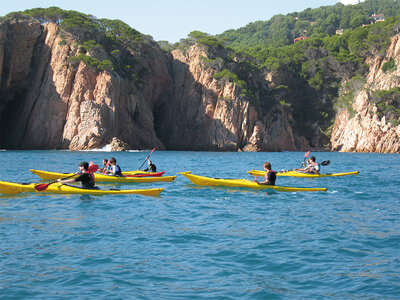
(172, 20)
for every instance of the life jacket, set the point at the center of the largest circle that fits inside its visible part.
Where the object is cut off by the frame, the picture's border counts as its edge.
(118, 171)
(92, 181)
(106, 167)
(153, 168)
(310, 167)
(266, 175)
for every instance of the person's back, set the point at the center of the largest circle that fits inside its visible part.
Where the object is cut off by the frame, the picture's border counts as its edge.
(270, 176)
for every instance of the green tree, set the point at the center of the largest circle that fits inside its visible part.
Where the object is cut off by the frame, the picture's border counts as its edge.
(358, 20)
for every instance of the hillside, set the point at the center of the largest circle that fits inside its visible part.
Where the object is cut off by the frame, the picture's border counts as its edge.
(281, 30)
(72, 81)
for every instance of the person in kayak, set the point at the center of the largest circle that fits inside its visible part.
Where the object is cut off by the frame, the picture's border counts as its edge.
(86, 178)
(106, 166)
(270, 176)
(115, 169)
(152, 167)
(311, 167)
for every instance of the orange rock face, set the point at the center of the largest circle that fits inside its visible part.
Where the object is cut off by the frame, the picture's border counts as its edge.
(64, 105)
(365, 131)
(48, 101)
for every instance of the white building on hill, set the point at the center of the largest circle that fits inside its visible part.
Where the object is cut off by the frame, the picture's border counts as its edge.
(345, 2)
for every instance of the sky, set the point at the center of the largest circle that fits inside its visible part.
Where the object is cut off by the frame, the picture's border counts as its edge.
(171, 20)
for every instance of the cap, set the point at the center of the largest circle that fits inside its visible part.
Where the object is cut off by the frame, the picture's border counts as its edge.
(84, 164)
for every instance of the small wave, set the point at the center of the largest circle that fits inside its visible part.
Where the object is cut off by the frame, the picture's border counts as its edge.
(106, 148)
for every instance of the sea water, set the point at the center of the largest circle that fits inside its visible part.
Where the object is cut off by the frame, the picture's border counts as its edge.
(196, 242)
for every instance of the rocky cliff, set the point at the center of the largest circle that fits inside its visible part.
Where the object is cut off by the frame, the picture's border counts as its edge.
(205, 113)
(363, 130)
(50, 101)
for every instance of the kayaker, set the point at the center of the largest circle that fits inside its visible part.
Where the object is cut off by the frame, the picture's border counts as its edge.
(152, 167)
(270, 176)
(115, 169)
(311, 167)
(106, 166)
(85, 177)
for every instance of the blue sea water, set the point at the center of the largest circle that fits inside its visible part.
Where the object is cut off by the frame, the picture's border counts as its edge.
(204, 243)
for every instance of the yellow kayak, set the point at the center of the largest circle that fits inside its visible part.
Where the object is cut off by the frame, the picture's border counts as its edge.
(58, 188)
(208, 181)
(302, 174)
(104, 178)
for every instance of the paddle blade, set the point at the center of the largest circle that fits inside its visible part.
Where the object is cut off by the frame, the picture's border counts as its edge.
(93, 168)
(305, 156)
(41, 187)
(325, 162)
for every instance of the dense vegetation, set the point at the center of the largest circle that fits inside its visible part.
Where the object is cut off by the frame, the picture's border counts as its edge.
(96, 38)
(281, 30)
(313, 69)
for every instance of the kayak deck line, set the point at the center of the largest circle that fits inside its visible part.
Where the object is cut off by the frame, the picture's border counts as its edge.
(59, 188)
(243, 183)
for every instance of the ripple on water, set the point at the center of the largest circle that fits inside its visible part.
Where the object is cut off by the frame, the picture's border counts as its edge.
(198, 242)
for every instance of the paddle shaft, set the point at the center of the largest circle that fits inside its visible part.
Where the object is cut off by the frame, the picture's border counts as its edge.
(62, 179)
(43, 186)
(146, 158)
(305, 156)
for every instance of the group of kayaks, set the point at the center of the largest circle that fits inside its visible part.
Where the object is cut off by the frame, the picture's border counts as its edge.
(59, 188)
(149, 177)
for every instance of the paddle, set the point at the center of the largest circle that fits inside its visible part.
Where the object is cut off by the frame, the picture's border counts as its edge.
(146, 158)
(305, 156)
(325, 162)
(42, 186)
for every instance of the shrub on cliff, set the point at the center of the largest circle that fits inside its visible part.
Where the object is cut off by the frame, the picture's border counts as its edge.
(101, 37)
(388, 104)
(389, 66)
(226, 75)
